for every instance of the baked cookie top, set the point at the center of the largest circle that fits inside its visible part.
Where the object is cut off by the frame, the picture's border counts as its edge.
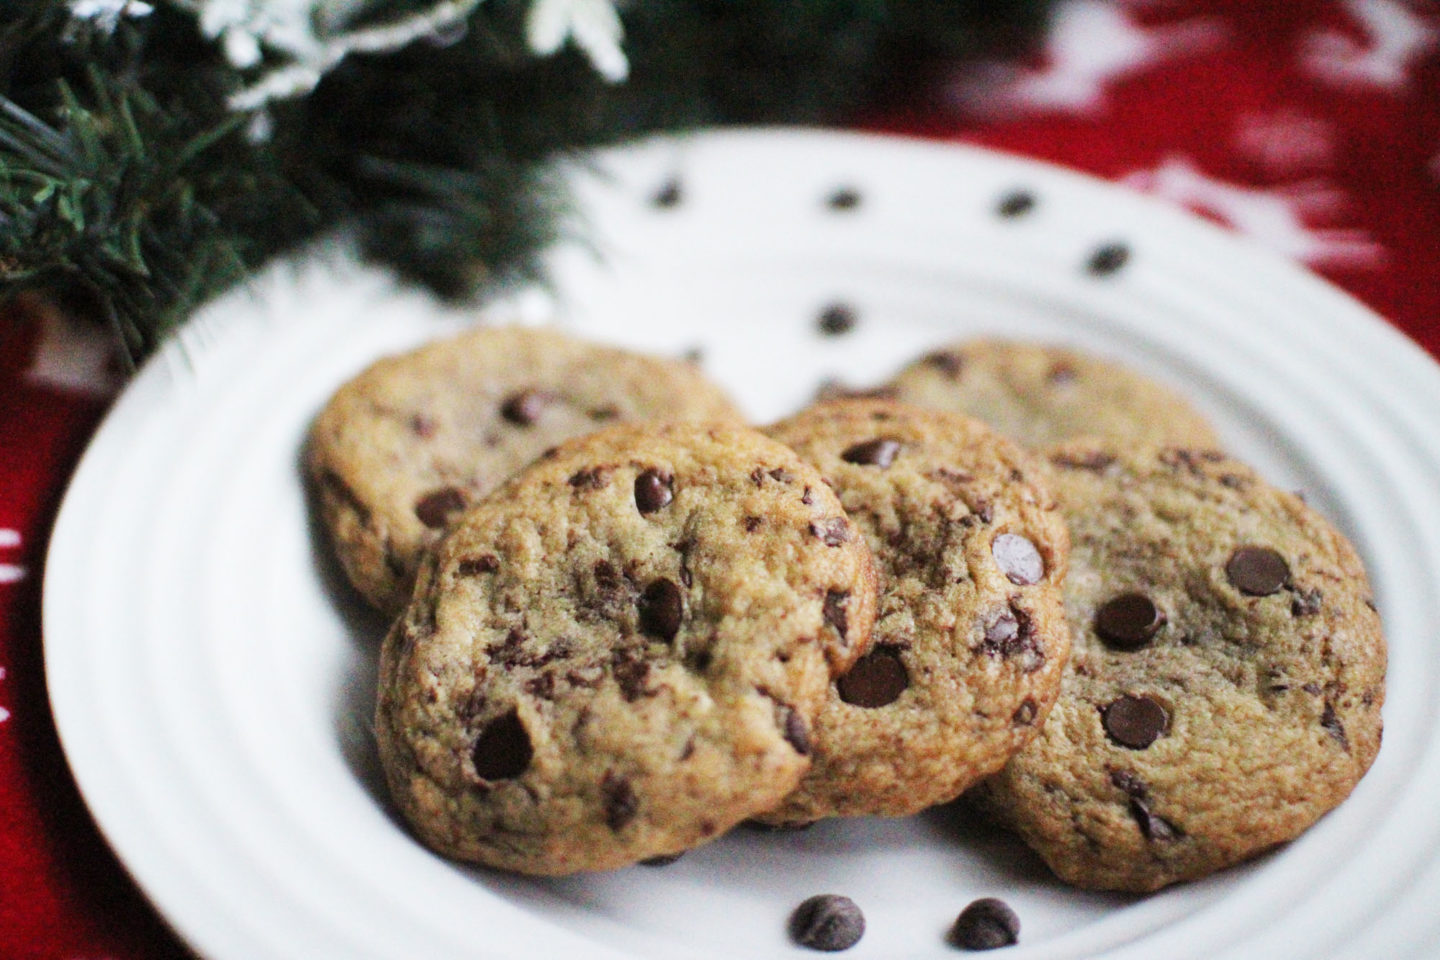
(405, 446)
(970, 640)
(619, 654)
(1226, 680)
(1042, 394)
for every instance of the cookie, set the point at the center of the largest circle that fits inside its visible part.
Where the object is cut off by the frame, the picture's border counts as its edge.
(405, 446)
(1042, 395)
(970, 640)
(1226, 679)
(619, 654)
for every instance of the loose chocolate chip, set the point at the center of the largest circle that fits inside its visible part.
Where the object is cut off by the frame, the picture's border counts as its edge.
(503, 750)
(653, 490)
(662, 608)
(1018, 559)
(474, 566)
(1155, 828)
(1024, 714)
(845, 198)
(1257, 571)
(664, 860)
(669, 195)
(879, 452)
(836, 319)
(1016, 203)
(434, 508)
(1129, 621)
(1135, 722)
(827, 922)
(876, 679)
(525, 406)
(836, 602)
(1330, 720)
(1108, 259)
(619, 799)
(833, 531)
(797, 732)
(986, 924)
(947, 362)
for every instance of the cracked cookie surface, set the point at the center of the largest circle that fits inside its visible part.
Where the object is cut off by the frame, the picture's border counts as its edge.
(1226, 678)
(970, 639)
(620, 653)
(1041, 394)
(404, 447)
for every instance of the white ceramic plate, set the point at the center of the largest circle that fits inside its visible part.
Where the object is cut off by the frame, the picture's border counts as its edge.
(212, 677)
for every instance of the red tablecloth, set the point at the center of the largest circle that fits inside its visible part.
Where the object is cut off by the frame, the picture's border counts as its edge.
(1312, 126)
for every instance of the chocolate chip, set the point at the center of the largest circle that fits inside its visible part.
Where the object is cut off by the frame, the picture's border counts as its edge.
(797, 732)
(1129, 621)
(664, 860)
(836, 319)
(525, 406)
(827, 922)
(1024, 714)
(1330, 720)
(879, 452)
(422, 426)
(1129, 782)
(619, 800)
(669, 195)
(590, 478)
(948, 362)
(836, 614)
(1155, 828)
(876, 679)
(631, 672)
(845, 198)
(986, 924)
(1018, 559)
(474, 566)
(833, 531)
(502, 751)
(753, 523)
(434, 509)
(662, 608)
(1015, 203)
(1305, 603)
(1108, 259)
(653, 490)
(1011, 635)
(1257, 571)
(1135, 722)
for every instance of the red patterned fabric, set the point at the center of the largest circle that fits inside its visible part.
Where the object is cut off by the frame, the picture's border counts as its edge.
(1313, 126)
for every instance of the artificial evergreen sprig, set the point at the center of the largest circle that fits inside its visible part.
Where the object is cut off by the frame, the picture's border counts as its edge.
(154, 153)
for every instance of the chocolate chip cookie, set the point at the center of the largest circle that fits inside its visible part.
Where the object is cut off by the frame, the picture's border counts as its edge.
(619, 654)
(1226, 680)
(404, 447)
(1041, 395)
(970, 640)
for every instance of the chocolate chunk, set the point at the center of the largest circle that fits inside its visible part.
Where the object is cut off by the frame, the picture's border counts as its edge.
(1015, 203)
(836, 319)
(1257, 571)
(948, 362)
(833, 531)
(434, 509)
(1155, 828)
(502, 751)
(872, 453)
(796, 730)
(1129, 782)
(1108, 259)
(1330, 720)
(781, 475)
(653, 490)
(986, 924)
(1129, 621)
(845, 198)
(753, 523)
(619, 799)
(670, 194)
(1018, 559)
(524, 407)
(1135, 722)
(662, 608)
(591, 478)
(663, 860)
(1011, 636)
(1305, 603)
(1025, 714)
(836, 614)
(474, 566)
(876, 679)
(827, 922)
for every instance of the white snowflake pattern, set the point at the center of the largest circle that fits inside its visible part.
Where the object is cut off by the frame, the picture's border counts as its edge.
(1398, 36)
(1091, 45)
(1277, 217)
(1285, 140)
(592, 24)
